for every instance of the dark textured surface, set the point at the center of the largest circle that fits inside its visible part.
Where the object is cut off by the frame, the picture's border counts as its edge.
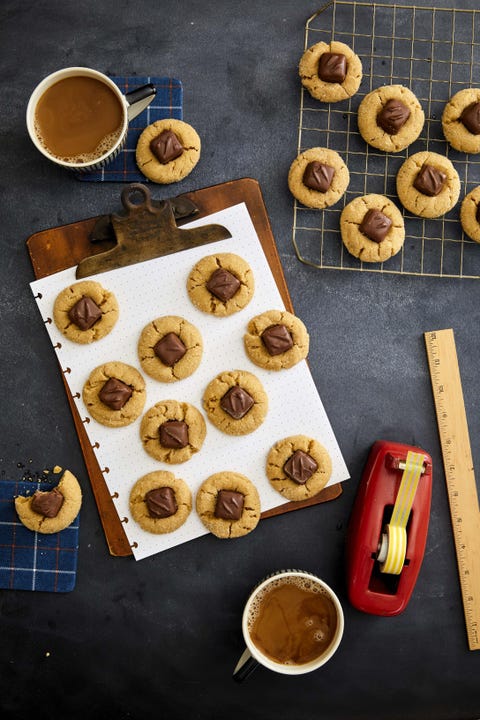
(160, 637)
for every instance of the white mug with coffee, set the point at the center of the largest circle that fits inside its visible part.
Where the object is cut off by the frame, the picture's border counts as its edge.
(292, 623)
(78, 117)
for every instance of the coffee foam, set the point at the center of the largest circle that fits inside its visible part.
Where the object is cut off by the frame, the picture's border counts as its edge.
(106, 144)
(304, 583)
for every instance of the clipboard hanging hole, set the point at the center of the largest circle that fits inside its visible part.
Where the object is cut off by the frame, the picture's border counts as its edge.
(106, 470)
(124, 520)
(48, 321)
(86, 420)
(96, 445)
(130, 197)
(77, 395)
(38, 296)
(134, 544)
(67, 371)
(58, 345)
(115, 495)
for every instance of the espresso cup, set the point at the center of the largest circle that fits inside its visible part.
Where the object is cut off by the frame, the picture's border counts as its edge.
(292, 624)
(78, 117)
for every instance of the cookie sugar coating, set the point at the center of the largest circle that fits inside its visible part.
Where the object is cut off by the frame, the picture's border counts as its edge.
(172, 410)
(357, 243)
(67, 299)
(201, 274)
(330, 91)
(315, 198)
(175, 169)
(456, 133)
(189, 337)
(69, 487)
(417, 202)
(255, 346)
(470, 214)
(281, 453)
(206, 504)
(373, 104)
(218, 388)
(103, 413)
(139, 507)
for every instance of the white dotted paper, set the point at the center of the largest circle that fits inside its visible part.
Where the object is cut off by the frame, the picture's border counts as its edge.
(155, 288)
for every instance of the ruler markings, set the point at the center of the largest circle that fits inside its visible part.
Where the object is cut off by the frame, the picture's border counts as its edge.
(459, 471)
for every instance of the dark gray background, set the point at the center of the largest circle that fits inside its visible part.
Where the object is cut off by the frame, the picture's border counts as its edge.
(160, 637)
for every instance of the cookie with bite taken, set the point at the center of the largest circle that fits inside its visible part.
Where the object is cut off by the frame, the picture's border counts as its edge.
(51, 511)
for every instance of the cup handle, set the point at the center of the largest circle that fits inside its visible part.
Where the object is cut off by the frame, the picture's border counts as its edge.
(139, 99)
(245, 666)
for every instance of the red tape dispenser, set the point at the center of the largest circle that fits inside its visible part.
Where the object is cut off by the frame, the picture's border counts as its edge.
(388, 527)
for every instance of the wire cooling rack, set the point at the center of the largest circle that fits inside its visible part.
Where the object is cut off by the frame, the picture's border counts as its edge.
(435, 52)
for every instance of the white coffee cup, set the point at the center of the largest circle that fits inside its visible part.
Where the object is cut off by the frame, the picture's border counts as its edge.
(132, 104)
(253, 656)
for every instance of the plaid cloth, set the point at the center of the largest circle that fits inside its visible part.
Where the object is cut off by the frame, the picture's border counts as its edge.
(30, 560)
(167, 103)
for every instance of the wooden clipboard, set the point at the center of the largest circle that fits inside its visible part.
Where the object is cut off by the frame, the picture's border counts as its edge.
(62, 247)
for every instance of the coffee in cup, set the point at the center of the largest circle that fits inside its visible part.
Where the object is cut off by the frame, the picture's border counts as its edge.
(292, 624)
(78, 117)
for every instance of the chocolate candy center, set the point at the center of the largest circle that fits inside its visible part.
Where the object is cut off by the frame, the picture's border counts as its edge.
(477, 214)
(332, 67)
(470, 117)
(166, 147)
(170, 349)
(430, 180)
(393, 116)
(237, 402)
(173, 434)
(229, 505)
(85, 313)
(47, 504)
(161, 502)
(277, 339)
(300, 467)
(375, 225)
(318, 176)
(115, 393)
(223, 284)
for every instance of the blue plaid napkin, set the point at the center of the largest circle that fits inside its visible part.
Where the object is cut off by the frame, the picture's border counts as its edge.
(30, 560)
(167, 103)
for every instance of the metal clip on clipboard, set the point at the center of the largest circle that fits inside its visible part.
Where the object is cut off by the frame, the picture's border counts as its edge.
(146, 231)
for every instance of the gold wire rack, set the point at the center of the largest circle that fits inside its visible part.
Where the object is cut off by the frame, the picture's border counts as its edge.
(435, 52)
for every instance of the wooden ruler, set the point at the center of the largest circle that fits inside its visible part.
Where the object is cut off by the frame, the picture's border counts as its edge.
(459, 473)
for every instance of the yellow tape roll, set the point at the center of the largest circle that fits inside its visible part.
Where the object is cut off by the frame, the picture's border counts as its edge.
(393, 543)
(396, 540)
